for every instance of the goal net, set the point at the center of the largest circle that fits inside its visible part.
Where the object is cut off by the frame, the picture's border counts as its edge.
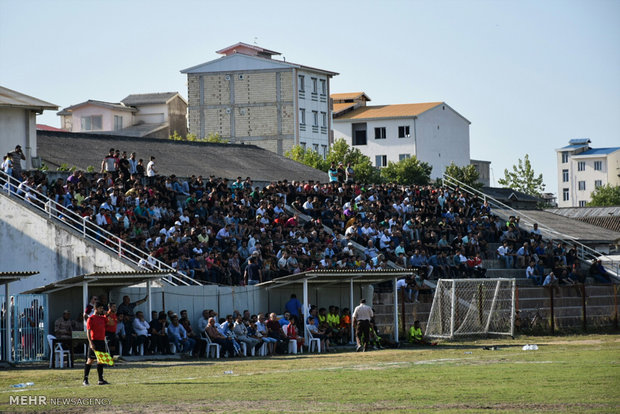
(472, 307)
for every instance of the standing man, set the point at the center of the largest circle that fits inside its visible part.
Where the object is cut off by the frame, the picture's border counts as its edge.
(127, 307)
(253, 274)
(95, 329)
(361, 320)
(17, 156)
(332, 174)
(151, 171)
(350, 172)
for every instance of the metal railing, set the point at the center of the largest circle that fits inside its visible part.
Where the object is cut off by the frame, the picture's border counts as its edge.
(13, 188)
(584, 253)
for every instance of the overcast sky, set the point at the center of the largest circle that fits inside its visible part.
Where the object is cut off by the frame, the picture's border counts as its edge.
(529, 75)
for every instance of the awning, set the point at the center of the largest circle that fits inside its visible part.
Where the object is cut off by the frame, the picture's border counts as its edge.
(8, 277)
(101, 279)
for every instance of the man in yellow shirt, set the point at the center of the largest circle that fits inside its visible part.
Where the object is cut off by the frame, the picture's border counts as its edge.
(416, 336)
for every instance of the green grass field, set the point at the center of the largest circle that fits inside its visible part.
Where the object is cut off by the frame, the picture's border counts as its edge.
(578, 374)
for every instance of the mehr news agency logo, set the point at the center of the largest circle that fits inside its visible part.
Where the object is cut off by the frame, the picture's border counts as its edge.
(44, 400)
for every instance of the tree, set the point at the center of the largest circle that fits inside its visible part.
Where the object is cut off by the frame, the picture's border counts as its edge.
(468, 174)
(213, 138)
(605, 196)
(365, 172)
(522, 178)
(407, 171)
(307, 157)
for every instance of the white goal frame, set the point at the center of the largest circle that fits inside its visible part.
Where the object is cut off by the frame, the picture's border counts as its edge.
(482, 310)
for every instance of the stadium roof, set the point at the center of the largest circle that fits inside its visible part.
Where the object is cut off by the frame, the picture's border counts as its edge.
(8, 277)
(101, 279)
(338, 276)
(181, 158)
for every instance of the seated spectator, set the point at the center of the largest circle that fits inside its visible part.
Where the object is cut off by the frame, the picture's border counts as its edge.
(598, 272)
(218, 338)
(552, 282)
(261, 328)
(530, 273)
(178, 336)
(160, 341)
(123, 339)
(291, 332)
(505, 254)
(63, 327)
(318, 333)
(416, 336)
(141, 331)
(274, 329)
(241, 333)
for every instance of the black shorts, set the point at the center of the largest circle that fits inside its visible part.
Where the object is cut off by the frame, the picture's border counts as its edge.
(99, 346)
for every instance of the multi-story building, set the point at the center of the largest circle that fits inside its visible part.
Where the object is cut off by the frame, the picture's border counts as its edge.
(150, 115)
(247, 96)
(582, 169)
(433, 132)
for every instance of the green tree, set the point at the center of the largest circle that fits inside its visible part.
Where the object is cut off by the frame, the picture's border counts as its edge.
(467, 174)
(407, 171)
(605, 196)
(365, 172)
(307, 157)
(523, 178)
(214, 138)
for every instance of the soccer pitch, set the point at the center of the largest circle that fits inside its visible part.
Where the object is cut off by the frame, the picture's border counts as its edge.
(566, 374)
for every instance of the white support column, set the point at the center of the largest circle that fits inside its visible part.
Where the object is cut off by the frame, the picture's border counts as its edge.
(84, 298)
(452, 310)
(305, 311)
(7, 337)
(351, 311)
(395, 311)
(149, 304)
(513, 308)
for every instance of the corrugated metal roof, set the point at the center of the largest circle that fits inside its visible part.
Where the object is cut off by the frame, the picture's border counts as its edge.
(597, 151)
(8, 277)
(572, 147)
(579, 141)
(389, 111)
(340, 276)
(9, 97)
(101, 279)
(148, 98)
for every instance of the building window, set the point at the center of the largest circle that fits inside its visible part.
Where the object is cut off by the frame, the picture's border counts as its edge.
(598, 165)
(582, 203)
(581, 166)
(323, 87)
(565, 194)
(302, 83)
(302, 116)
(315, 147)
(380, 161)
(403, 131)
(324, 151)
(315, 118)
(564, 176)
(303, 145)
(359, 138)
(582, 185)
(564, 157)
(380, 133)
(314, 85)
(598, 183)
(118, 123)
(403, 156)
(91, 123)
(324, 119)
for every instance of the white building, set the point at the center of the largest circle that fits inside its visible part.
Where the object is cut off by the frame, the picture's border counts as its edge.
(247, 96)
(150, 115)
(433, 132)
(18, 113)
(582, 169)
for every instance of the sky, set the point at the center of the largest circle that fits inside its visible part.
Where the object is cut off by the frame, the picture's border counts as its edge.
(529, 75)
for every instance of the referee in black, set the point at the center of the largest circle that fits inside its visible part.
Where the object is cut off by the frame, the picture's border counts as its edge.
(95, 330)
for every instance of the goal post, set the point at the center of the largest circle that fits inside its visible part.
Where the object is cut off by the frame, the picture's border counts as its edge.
(472, 307)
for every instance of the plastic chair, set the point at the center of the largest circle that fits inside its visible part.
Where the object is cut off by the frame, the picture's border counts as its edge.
(314, 342)
(292, 346)
(58, 352)
(244, 348)
(211, 345)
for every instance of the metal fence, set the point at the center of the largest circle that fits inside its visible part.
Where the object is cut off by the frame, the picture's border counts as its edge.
(28, 328)
(584, 308)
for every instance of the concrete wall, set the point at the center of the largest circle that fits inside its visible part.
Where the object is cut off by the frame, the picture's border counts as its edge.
(18, 127)
(151, 114)
(107, 117)
(29, 242)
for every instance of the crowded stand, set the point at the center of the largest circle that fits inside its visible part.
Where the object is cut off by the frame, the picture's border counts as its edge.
(234, 233)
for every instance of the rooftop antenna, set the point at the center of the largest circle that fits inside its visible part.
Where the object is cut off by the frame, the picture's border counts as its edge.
(255, 39)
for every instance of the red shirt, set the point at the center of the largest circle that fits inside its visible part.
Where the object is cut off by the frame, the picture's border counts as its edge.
(96, 324)
(111, 322)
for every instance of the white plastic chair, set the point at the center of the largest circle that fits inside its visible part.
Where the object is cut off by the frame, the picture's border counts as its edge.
(58, 352)
(292, 346)
(244, 348)
(314, 342)
(211, 345)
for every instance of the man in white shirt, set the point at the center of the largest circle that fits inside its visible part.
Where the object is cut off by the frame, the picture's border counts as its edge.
(530, 273)
(151, 171)
(141, 329)
(361, 321)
